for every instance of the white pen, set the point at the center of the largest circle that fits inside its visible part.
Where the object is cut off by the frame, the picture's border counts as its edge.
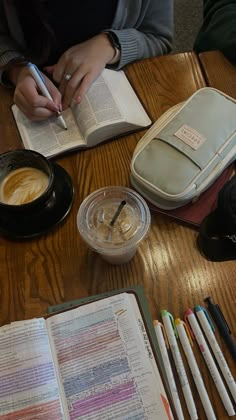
(190, 317)
(170, 328)
(38, 77)
(185, 342)
(168, 370)
(208, 329)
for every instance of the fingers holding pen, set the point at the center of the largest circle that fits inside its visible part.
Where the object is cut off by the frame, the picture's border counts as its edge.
(55, 94)
(29, 99)
(36, 108)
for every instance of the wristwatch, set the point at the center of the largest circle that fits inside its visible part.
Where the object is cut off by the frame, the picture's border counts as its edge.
(115, 44)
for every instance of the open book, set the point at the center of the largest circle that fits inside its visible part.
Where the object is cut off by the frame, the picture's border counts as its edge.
(110, 108)
(92, 362)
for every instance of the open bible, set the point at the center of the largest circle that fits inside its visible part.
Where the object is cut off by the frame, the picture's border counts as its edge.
(109, 109)
(92, 362)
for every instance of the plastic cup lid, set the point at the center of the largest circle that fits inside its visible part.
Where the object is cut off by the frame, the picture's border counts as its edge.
(100, 209)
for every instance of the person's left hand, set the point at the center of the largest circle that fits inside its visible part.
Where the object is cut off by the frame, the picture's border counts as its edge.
(84, 62)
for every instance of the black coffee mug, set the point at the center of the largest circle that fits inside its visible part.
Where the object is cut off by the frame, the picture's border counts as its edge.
(26, 183)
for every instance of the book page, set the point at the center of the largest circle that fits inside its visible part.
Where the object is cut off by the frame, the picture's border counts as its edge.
(126, 98)
(48, 137)
(105, 365)
(110, 108)
(97, 108)
(28, 383)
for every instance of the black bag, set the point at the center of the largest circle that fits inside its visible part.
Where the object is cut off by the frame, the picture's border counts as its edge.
(217, 234)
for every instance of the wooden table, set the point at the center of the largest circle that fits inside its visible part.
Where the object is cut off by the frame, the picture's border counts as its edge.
(58, 266)
(219, 72)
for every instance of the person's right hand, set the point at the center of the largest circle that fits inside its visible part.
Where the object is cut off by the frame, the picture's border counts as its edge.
(28, 97)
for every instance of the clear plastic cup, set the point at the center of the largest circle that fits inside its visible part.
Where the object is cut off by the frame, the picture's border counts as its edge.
(114, 236)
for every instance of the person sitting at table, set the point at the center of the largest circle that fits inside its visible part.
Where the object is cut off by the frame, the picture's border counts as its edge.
(218, 31)
(72, 42)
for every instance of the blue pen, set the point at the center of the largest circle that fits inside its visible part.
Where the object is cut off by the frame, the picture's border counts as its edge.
(39, 79)
(208, 328)
(222, 325)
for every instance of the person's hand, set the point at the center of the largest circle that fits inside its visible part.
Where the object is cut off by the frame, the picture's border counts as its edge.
(84, 62)
(29, 99)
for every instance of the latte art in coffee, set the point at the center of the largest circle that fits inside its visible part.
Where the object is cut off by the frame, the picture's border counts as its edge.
(23, 185)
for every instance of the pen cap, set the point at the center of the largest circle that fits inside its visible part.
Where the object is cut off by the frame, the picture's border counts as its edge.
(35, 69)
(180, 324)
(167, 315)
(201, 309)
(178, 321)
(186, 314)
(217, 315)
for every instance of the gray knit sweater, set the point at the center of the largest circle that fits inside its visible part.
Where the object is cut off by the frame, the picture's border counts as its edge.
(144, 29)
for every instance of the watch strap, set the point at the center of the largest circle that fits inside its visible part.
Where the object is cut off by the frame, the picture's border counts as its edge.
(113, 39)
(116, 46)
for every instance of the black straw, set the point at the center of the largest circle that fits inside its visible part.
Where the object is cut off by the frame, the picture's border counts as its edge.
(122, 204)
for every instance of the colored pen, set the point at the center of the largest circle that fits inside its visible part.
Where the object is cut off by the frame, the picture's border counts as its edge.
(171, 331)
(185, 342)
(38, 77)
(208, 329)
(190, 317)
(170, 377)
(222, 325)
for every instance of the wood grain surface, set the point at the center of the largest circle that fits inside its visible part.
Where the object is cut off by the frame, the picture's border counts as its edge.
(219, 72)
(58, 266)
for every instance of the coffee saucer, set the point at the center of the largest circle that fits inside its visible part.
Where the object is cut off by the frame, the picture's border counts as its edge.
(47, 218)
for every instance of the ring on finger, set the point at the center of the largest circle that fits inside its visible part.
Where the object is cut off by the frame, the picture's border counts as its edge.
(67, 76)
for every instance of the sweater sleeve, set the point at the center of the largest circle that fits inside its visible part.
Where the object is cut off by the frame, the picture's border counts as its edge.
(9, 50)
(151, 35)
(144, 29)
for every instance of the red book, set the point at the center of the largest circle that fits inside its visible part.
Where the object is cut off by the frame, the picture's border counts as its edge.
(193, 213)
